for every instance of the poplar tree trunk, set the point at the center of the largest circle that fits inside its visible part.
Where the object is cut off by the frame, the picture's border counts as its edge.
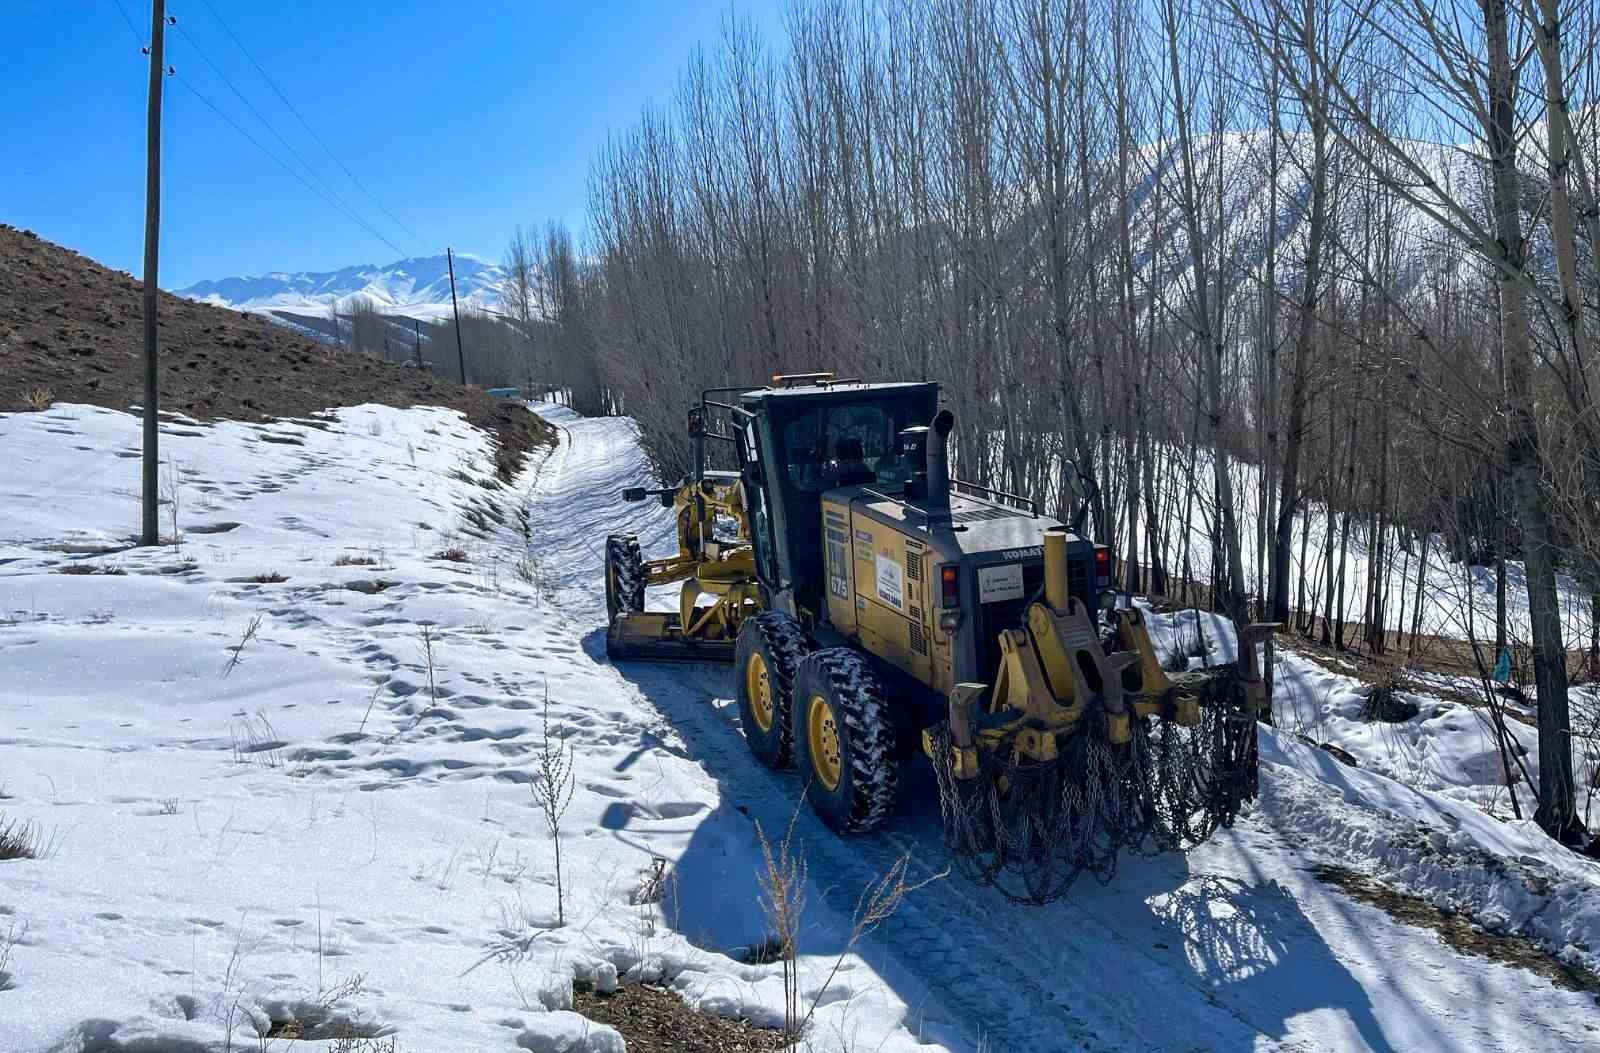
(1304, 345)
(1557, 813)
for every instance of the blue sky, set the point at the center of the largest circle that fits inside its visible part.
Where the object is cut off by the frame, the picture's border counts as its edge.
(461, 118)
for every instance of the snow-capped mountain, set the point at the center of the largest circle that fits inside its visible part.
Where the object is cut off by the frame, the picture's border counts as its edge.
(418, 287)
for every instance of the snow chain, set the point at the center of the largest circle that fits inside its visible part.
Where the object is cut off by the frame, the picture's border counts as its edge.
(1029, 828)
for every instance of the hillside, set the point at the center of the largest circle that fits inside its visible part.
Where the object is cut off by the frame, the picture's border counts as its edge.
(72, 330)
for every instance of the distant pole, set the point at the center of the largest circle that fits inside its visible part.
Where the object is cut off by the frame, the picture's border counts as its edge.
(150, 533)
(416, 332)
(461, 353)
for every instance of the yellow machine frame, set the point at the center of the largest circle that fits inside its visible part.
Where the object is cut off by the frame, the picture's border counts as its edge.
(1049, 670)
(708, 567)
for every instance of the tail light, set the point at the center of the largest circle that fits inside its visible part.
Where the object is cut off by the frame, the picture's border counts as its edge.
(1102, 566)
(949, 595)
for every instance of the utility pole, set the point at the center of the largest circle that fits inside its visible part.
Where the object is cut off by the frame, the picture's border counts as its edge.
(416, 333)
(150, 532)
(461, 353)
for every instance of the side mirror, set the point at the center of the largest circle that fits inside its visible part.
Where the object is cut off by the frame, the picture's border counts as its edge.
(668, 497)
(633, 493)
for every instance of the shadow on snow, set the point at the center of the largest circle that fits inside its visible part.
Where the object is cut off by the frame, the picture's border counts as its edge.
(1242, 953)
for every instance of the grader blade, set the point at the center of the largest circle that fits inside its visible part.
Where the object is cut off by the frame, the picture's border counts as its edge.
(649, 636)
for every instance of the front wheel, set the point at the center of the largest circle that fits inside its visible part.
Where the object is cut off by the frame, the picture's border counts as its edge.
(624, 576)
(768, 652)
(844, 740)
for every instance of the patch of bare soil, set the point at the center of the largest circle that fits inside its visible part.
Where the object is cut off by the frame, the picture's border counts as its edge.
(1457, 931)
(72, 330)
(654, 1020)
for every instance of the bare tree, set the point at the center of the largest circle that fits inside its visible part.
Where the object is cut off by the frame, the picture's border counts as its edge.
(520, 301)
(1212, 255)
(367, 326)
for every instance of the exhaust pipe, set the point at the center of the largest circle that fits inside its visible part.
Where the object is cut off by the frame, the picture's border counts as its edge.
(938, 458)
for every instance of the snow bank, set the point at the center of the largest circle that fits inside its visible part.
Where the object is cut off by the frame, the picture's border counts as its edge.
(338, 826)
(1415, 814)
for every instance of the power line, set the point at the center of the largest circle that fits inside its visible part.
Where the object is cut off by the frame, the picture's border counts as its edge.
(345, 206)
(306, 125)
(131, 27)
(279, 161)
(338, 206)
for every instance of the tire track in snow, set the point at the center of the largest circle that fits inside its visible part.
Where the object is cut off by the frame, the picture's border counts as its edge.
(1005, 977)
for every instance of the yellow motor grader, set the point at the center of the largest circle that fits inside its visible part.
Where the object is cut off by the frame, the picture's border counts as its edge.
(876, 607)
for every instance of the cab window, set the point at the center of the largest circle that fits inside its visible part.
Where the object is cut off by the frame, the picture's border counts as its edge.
(834, 445)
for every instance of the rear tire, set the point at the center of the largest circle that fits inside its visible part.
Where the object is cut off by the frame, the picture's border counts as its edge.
(844, 740)
(624, 576)
(770, 648)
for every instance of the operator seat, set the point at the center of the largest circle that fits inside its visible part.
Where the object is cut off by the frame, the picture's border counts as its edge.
(849, 466)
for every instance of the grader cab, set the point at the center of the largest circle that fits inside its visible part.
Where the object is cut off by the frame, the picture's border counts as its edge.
(876, 607)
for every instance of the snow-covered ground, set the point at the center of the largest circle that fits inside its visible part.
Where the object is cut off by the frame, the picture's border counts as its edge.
(238, 847)
(327, 828)
(1458, 600)
(1449, 747)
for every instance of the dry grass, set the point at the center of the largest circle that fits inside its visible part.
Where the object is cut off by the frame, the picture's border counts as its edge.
(107, 569)
(25, 839)
(507, 462)
(255, 741)
(355, 559)
(270, 579)
(782, 882)
(1186, 646)
(1460, 932)
(361, 1044)
(454, 554)
(652, 883)
(653, 1020)
(39, 399)
(1385, 701)
(536, 573)
(16, 931)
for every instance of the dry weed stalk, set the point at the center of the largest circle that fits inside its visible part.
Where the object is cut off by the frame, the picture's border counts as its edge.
(370, 703)
(876, 905)
(172, 490)
(782, 881)
(552, 791)
(16, 931)
(428, 636)
(250, 632)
